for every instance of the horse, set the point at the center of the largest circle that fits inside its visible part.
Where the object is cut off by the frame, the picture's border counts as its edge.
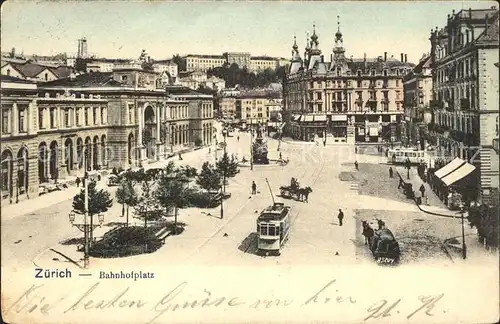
(368, 232)
(303, 194)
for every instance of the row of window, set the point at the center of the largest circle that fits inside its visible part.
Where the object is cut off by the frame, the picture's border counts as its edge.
(350, 83)
(359, 106)
(462, 68)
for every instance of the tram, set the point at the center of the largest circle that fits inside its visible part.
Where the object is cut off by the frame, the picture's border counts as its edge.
(402, 155)
(273, 226)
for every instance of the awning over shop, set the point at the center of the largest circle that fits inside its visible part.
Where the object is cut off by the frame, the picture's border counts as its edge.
(307, 118)
(319, 117)
(449, 168)
(458, 174)
(295, 117)
(339, 117)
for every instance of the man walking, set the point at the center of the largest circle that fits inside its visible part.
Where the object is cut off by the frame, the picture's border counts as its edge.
(77, 181)
(340, 217)
(391, 172)
(356, 165)
(422, 190)
(254, 188)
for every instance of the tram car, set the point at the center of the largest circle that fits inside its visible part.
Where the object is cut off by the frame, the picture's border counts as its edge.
(402, 155)
(273, 226)
(385, 248)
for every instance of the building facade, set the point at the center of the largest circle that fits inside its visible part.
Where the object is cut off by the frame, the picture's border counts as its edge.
(203, 63)
(228, 107)
(465, 92)
(255, 108)
(348, 99)
(94, 121)
(417, 99)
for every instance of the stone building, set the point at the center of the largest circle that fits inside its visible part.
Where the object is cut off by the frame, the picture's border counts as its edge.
(254, 107)
(348, 99)
(465, 92)
(98, 120)
(417, 98)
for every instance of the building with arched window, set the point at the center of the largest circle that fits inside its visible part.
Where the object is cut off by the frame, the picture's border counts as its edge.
(345, 99)
(54, 131)
(465, 92)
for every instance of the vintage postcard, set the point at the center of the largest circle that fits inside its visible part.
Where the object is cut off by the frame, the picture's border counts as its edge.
(249, 162)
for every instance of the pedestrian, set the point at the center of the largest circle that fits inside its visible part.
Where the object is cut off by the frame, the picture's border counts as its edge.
(340, 217)
(356, 149)
(391, 173)
(418, 197)
(238, 138)
(209, 150)
(254, 188)
(324, 142)
(281, 158)
(356, 165)
(180, 156)
(77, 181)
(422, 190)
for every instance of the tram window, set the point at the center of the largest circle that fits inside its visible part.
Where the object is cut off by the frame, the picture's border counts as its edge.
(277, 230)
(272, 230)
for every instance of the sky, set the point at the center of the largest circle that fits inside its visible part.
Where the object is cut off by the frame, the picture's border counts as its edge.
(121, 29)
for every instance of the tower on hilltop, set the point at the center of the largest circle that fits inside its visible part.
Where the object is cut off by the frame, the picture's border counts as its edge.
(82, 48)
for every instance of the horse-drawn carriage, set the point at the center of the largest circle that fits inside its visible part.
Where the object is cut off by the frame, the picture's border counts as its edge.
(294, 191)
(382, 244)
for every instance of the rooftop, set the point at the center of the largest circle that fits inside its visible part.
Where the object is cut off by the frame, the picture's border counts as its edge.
(87, 80)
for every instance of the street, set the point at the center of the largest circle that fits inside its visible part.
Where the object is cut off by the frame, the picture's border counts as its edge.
(315, 238)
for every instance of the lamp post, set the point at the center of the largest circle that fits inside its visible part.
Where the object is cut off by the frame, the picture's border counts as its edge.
(86, 229)
(251, 150)
(464, 247)
(224, 133)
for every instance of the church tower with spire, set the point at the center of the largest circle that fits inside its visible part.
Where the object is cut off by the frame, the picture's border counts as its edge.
(296, 62)
(307, 51)
(338, 59)
(314, 52)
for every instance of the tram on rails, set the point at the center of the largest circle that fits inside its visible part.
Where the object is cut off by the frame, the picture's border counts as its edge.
(273, 226)
(402, 155)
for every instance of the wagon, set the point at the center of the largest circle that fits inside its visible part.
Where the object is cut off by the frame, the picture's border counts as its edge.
(384, 247)
(289, 192)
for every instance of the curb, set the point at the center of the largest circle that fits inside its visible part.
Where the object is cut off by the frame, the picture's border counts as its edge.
(420, 208)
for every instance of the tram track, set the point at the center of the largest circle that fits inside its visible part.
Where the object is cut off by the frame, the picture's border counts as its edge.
(315, 176)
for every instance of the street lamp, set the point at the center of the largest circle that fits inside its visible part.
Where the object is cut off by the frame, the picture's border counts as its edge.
(464, 247)
(87, 229)
(224, 133)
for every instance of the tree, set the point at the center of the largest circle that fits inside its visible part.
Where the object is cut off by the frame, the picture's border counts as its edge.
(99, 201)
(228, 166)
(126, 195)
(181, 63)
(209, 177)
(81, 64)
(173, 191)
(147, 207)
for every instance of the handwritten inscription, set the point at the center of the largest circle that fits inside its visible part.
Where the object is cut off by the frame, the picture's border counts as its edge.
(384, 308)
(176, 300)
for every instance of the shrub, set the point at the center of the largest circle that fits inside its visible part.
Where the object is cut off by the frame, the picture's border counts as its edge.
(127, 241)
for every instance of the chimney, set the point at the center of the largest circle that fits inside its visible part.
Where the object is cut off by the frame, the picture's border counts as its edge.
(322, 58)
(486, 22)
(385, 56)
(470, 13)
(402, 59)
(406, 58)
